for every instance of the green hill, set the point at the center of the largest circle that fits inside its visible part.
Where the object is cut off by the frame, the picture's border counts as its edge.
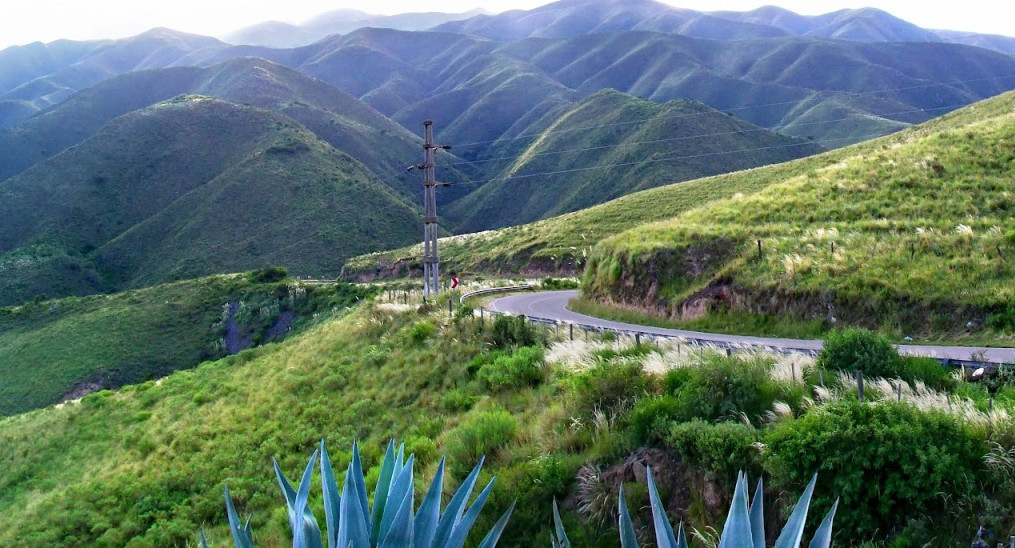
(185, 188)
(595, 153)
(51, 351)
(335, 117)
(910, 233)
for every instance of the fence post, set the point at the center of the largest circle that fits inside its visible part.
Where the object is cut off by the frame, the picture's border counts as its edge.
(728, 352)
(570, 328)
(948, 396)
(859, 383)
(637, 339)
(759, 250)
(792, 371)
(451, 311)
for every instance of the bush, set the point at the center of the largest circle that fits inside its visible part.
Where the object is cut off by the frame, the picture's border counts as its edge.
(651, 418)
(928, 370)
(421, 331)
(268, 275)
(857, 349)
(481, 433)
(888, 462)
(720, 449)
(520, 368)
(722, 388)
(458, 400)
(559, 283)
(608, 387)
(512, 331)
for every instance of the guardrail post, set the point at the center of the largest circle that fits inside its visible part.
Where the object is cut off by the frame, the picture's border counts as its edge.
(637, 339)
(571, 330)
(859, 383)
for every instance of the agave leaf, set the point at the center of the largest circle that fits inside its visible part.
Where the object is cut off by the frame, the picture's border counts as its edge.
(429, 512)
(823, 536)
(353, 529)
(737, 531)
(399, 533)
(306, 532)
(560, 539)
(627, 536)
(664, 531)
(332, 499)
(241, 535)
(491, 538)
(462, 528)
(793, 532)
(399, 488)
(758, 516)
(361, 486)
(681, 536)
(204, 539)
(381, 492)
(453, 511)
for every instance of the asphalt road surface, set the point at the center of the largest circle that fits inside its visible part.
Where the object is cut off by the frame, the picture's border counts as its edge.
(552, 306)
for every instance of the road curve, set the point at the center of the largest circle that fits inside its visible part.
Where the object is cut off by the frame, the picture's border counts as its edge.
(552, 306)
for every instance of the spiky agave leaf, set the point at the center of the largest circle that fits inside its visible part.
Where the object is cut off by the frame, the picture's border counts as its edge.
(493, 535)
(823, 536)
(242, 536)
(757, 515)
(737, 531)
(354, 524)
(664, 531)
(627, 536)
(456, 506)
(332, 498)
(399, 489)
(306, 532)
(558, 536)
(464, 525)
(429, 512)
(381, 491)
(793, 532)
(203, 539)
(681, 536)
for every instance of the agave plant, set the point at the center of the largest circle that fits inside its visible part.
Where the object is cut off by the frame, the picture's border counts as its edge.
(391, 522)
(745, 525)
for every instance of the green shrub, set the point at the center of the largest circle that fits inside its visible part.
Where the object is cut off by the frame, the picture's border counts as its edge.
(458, 400)
(523, 367)
(720, 449)
(510, 331)
(421, 331)
(888, 462)
(268, 275)
(857, 349)
(651, 418)
(608, 387)
(558, 283)
(675, 379)
(928, 370)
(481, 433)
(721, 388)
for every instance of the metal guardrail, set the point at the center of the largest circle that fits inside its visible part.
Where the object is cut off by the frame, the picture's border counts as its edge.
(506, 289)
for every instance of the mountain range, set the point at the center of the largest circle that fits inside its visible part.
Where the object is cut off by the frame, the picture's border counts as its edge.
(548, 111)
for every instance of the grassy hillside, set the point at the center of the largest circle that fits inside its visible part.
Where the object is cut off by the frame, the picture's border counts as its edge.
(66, 348)
(145, 466)
(672, 142)
(910, 233)
(335, 117)
(185, 188)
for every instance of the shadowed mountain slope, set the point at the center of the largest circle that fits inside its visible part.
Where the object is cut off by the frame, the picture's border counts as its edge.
(612, 144)
(189, 187)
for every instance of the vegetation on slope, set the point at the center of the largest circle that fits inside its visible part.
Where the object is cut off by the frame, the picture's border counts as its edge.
(66, 348)
(911, 233)
(147, 464)
(189, 187)
(595, 153)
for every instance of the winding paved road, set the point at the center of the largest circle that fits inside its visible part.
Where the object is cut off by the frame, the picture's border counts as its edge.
(552, 306)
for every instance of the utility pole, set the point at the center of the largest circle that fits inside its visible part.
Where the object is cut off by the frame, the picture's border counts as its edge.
(430, 257)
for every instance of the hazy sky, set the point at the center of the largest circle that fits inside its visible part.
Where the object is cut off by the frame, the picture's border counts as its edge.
(25, 21)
